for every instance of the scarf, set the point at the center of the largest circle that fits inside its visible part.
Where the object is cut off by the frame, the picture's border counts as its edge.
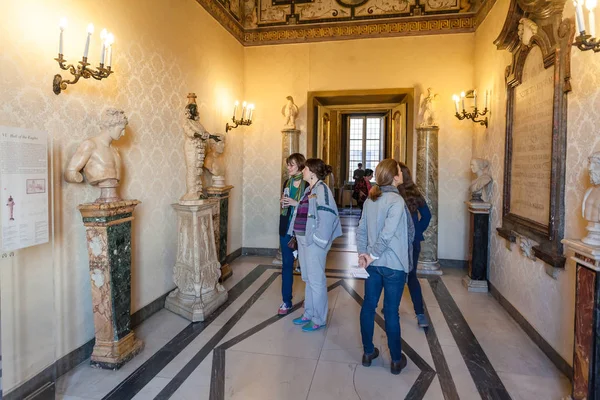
(410, 229)
(299, 191)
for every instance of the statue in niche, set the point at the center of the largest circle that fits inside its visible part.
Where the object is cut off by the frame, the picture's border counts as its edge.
(480, 167)
(526, 30)
(427, 117)
(98, 159)
(590, 208)
(11, 206)
(194, 149)
(290, 112)
(215, 162)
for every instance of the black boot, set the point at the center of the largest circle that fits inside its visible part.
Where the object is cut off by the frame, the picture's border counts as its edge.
(367, 358)
(397, 366)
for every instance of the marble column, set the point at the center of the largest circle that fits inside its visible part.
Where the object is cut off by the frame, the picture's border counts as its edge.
(221, 194)
(197, 269)
(289, 145)
(586, 357)
(108, 231)
(427, 180)
(479, 215)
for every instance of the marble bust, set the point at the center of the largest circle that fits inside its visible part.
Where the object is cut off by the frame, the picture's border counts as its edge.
(427, 115)
(590, 208)
(290, 112)
(214, 162)
(479, 167)
(98, 159)
(526, 30)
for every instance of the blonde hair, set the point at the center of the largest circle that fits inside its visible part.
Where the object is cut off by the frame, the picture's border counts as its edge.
(384, 176)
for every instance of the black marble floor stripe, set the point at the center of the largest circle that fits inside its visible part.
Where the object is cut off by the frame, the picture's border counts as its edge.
(410, 352)
(186, 371)
(484, 375)
(217, 377)
(421, 385)
(129, 387)
(439, 360)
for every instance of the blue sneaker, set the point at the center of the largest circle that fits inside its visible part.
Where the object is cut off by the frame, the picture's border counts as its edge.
(311, 327)
(422, 320)
(301, 320)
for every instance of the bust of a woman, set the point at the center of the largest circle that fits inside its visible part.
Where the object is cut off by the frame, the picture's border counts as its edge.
(480, 166)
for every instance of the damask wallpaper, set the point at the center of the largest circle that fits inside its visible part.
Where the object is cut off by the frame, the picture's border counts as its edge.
(547, 303)
(274, 72)
(45, 290)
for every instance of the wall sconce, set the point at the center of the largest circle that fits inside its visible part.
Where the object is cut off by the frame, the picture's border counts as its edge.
(586, 41)
(82, 70)
(243, 120)
(471, 94)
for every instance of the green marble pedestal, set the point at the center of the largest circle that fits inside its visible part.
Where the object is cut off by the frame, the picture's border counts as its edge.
(108, 231)
(222, 195)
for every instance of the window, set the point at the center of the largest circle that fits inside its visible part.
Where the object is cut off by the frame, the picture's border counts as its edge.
(365, 143)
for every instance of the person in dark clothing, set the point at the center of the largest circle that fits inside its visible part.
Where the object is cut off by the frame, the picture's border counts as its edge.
(362, 188)
(421, 216)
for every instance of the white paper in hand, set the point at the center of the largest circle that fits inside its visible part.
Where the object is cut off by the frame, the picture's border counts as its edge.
(357, 272)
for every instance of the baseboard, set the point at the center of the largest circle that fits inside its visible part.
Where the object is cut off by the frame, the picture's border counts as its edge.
(259, 251)
(447, 263)
(41, 386)
(230, 257)
(546, 348)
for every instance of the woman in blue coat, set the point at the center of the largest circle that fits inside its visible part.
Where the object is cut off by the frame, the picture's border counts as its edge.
(421, 216)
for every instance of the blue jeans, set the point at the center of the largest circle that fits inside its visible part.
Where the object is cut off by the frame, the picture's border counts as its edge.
(414, 287)
(287, 270)
(392, 281)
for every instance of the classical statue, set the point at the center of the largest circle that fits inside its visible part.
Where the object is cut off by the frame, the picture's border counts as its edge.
(214, 162)
(290, 112)
(195, 150)
(427, 115)
(480, 166)
(11, 206)
(526, 30)
(98, 159)
(590, 208)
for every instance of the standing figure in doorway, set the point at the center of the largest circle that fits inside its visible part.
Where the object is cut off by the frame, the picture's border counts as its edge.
(11, 205)
(362, 188)
(293, 190)
(316, 226)
(420, 214)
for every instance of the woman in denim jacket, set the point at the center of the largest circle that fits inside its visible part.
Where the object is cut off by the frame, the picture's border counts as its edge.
(316, 225)
(384, 240)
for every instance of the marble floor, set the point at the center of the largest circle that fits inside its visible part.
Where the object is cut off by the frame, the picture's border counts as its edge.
(473, 348)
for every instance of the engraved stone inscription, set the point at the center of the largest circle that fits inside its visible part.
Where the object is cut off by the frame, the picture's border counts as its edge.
(532, 141)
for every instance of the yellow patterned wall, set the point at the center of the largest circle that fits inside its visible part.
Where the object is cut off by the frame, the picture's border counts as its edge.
(163, 50)
(273, 72)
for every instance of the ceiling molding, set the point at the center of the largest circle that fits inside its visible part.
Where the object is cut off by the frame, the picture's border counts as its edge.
(333, 31)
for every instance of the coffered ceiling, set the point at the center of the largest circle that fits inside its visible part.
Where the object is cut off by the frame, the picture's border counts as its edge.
(259, 22)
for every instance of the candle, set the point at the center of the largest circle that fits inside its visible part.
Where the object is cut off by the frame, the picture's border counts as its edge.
(90, 30)
(103, 36)
(590, 5)
(486, 99)
(462, 96)
(251, 107)
(62, 25)
(243, 110)
(455, 100)
(110, 39)
(475, 98)
(235, 106)
(579, 15)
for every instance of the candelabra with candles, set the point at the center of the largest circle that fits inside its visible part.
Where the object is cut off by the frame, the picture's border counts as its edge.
(243, 121)
(82, 70)
(476, 113)
(586, 41)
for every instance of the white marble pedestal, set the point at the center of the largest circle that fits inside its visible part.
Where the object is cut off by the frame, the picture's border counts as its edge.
(197, 269)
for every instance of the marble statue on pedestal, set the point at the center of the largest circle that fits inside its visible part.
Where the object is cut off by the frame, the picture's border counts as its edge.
(194, 149)
(478, 186)
(290, 112)
(590, 208)
(427, 115)
(214, 162)
(98, 159)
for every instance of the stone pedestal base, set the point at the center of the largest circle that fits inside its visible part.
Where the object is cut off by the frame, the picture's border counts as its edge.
(586, 360)
(108, 231)
(197, 269)
(429, 268)
(475, 286)
(221, 194)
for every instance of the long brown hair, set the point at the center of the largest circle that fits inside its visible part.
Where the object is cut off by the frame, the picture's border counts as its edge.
(409, 191)
(384, 176)
(318, 167)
